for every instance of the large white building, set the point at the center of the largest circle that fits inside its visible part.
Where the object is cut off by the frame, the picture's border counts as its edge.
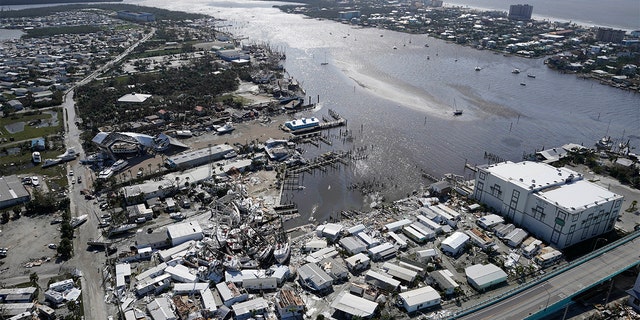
(554, 204)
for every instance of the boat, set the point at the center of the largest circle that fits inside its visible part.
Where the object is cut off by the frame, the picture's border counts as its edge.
(605, 143)
(77, 221)
(394, 47)
(35, 181)
(282, 250)
(228, 127)
(50, 162)
(516, 71)
(123, 228)
(230, 154)
(478, 68)
(523, 84)
(36, 157)
(457, 112)
(531, 75)
(176, 216)
(324, 63)
(118, 165)
(68, 155)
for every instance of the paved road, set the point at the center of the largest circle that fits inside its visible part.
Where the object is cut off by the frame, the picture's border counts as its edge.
(89, 262)
(542, 297)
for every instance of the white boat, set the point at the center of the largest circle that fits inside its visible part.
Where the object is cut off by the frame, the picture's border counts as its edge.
(176, 216)
(531, 75)
(50, 162)
(77, 221)
(282, 250)
(478, 69)
(230, 154)
(228, 127)
(36, 157)
(123, 228)
(35, 181)
(68, 155)
(516, 71)
(118, 165)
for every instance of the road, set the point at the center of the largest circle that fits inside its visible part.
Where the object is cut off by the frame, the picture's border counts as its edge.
(89, 262)
(535, 301)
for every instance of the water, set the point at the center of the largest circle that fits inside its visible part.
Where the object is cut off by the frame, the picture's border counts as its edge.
(399, 104)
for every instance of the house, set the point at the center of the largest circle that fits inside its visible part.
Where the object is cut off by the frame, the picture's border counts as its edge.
(183, 232)
(249, 309)
(134, 98)
(421, 298)
(289, 304)
(483, 277)
(381, 281)
(354, 306)
(12, 192)
(397, 225)
(358, 262)
(515, 237)
(489, 221)
(353, 245)
(336, 269)
(403, 274)
(161, 308)
(445, 281)
(313, 277)
(454, 244)
(384, 251)
(230, 294)
(15, 104)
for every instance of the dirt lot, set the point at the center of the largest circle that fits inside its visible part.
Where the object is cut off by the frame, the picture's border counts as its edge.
(27, 239)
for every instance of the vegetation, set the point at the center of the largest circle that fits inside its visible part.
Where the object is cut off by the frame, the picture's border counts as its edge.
(626, 175)
(160, 14)
(52, 31)
(31, 125)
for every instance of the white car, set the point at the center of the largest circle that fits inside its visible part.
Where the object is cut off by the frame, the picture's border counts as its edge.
(71, 172)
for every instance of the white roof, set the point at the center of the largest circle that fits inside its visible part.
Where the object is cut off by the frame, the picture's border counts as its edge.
(249, 306)
(160, 309)
(181, 273)
(399, 272)
(332, 228)
(491, 219)
(184, 229)
(484, 274)
(134, 98)
(420, 296)
(381, 277)
(381, 248)
(455, 240)
(578, 195)
(357, 228)
(527, 174)
(354, 305)
(354, 259)
(427, 253)
(397, 224)
(122, 270)
(181, 288)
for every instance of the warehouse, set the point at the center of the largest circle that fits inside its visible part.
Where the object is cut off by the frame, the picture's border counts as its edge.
(483, 277)
(199, 157)
(12, 192)
(418, 299)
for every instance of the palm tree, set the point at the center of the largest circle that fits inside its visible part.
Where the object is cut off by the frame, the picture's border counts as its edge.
(149, 165)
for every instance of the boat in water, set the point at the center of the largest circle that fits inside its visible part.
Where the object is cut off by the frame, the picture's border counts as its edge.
(478, 68)
(606, 143)
(228, 127)
(282, 250)
(457, 112)
(516, 71)
(523, 84)
(531, 75)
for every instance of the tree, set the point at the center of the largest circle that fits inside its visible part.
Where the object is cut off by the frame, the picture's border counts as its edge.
(33, 278)
(65, 249)
(5, 216)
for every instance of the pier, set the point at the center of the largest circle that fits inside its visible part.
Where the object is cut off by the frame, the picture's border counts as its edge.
(320, 162)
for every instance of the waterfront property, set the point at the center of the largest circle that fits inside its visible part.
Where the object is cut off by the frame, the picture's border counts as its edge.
(303, 123)
(554, 204)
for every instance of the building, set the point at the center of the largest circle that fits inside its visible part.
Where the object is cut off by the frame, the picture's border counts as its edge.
(444, 280)
(479, 238)
(554, 204)
(199, 157)
(61, 285)
(289, 304)
(134, 98)
(231, 294)
(348, 15)
(358, 262)
(398, 272)
(353, 245)
(420, 298)
(353, 306)
(383, 251)
(483, 277)
(454, 244)
(17, 295)
(181, 273)
(489, 221)
(609, 35)
(154, 240)
(515, 237)
(183, 232)
(303, 123)
(314, 278)
(161, 309)
(397, 225)
(520, 12)
(381, 281)
(123, 274)
(12, 192)
(634, 295)
(251, 308)
(136, 16)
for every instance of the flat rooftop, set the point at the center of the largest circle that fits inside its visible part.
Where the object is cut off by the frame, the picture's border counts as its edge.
(578, 195)
(532, 175)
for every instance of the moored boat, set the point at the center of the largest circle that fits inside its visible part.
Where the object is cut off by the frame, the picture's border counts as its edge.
(516, 71)
(531, 75)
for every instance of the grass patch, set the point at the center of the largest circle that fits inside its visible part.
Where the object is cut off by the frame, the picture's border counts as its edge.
(155, 53)
(52, 31)
(29, 132)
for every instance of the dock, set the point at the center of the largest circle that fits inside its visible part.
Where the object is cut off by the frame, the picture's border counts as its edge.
(320, 162)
